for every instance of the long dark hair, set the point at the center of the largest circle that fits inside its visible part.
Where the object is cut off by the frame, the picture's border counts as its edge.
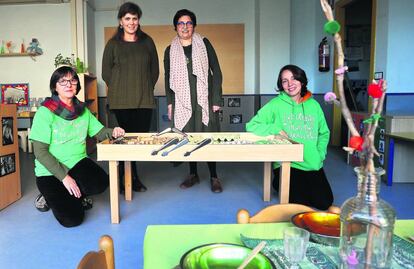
(298, 74)
(60, 73)
(125, 8)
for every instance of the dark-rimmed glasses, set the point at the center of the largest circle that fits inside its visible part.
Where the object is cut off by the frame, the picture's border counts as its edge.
(65, 82)
(188, 24)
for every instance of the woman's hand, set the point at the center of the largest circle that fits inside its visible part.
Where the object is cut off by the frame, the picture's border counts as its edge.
(71, 186)
(216, 108)
(169, 111)
(117, 132)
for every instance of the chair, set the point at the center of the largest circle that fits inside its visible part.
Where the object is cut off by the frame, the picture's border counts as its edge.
(273, 213)
(101, 259)
(277, 213)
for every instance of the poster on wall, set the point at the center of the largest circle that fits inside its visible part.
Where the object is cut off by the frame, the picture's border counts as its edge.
(15, 94)
(7, 164)
(7, 130)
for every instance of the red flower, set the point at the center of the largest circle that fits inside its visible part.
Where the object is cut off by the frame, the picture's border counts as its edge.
(356, 142)
(374, 90)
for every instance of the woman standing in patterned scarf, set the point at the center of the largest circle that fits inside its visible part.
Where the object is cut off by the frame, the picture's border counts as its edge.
(193, 87)
(64, 173)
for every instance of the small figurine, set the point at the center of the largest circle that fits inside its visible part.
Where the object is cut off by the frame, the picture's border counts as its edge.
(9, 46)
(33, 47)
(2, 47)
(22, 49)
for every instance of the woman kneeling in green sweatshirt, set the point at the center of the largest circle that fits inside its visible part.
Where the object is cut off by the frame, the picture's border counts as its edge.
(296, 115)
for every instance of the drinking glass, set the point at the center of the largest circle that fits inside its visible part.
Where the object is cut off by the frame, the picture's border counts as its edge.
(295, 242)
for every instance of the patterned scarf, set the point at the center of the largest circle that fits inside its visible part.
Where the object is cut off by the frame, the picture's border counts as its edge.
(64, 111)
(179, 80)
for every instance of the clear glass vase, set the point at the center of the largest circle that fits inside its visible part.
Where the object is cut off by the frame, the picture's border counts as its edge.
(367, 225)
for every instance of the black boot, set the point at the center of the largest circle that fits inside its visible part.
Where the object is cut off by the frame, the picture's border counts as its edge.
(136, 182)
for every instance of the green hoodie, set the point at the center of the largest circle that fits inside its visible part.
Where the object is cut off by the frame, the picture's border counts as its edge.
(304, 123)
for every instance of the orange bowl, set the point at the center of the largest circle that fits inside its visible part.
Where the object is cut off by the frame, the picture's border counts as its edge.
(324, 227)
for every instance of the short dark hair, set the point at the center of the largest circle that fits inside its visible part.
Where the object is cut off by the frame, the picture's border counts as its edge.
(125, 8)
(184, 12)
(60, 73)
(130, 8)
(298, 74)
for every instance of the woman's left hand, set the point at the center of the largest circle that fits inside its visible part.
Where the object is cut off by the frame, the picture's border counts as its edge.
(117, 132)
(216, 108)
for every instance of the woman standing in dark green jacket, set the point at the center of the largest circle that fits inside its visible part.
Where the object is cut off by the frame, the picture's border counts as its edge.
(295, 114)
(130, 70)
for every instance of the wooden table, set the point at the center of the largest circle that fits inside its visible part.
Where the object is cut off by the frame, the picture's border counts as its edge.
(266, 153)
(165, 244)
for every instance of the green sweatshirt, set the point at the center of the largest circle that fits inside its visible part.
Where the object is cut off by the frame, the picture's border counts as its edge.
(304, 123)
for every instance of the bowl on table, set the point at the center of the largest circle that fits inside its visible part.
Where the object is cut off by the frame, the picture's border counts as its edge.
(223, 256)
(324, 227)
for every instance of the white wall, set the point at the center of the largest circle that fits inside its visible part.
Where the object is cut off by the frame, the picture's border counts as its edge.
(399, 52)
(274, 42)
(50, 24)
(307, 20)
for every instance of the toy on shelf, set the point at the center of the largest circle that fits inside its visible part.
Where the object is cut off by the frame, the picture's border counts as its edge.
(9, 46)
(2, 47)
(33, 47)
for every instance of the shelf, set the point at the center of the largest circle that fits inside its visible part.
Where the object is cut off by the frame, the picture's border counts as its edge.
(18, 54)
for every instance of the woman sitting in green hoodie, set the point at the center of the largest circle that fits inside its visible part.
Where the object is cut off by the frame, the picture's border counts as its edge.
(295, 114)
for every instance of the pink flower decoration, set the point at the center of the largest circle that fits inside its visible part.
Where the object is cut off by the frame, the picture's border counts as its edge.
(341, 70)
(329, 97)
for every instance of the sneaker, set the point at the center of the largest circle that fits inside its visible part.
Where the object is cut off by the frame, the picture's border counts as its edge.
(41, 204)
(87, 203)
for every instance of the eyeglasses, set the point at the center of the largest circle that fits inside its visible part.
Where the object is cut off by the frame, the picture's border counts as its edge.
(65, 82)
(187, 23)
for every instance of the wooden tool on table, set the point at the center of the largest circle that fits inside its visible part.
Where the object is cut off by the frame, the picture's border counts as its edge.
(250, 257)
(199, 145)
(166, 145)
(181, 143)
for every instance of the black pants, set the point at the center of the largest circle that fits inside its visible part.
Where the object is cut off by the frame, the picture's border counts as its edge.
(211, 168)
(66, 208)
(133, 121)
(309, 188)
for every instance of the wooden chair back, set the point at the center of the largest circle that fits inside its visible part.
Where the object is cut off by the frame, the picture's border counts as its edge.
(103, 258)
(273, 213)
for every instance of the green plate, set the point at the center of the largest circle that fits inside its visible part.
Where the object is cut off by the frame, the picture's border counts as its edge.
(223, 256)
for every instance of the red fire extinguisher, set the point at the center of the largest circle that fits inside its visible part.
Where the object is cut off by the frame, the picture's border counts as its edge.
(324, 58)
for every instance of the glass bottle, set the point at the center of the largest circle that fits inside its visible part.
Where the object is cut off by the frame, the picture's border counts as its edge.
(367, 225)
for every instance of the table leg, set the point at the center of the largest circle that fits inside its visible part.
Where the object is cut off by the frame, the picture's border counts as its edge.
(127, 183)
(390, 166)
(114, 192)
(267, 181)
(284, 182)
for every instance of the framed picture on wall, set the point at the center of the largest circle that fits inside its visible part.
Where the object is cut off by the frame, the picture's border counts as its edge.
(15, 94)
(7, 131)
(233, 102)
(7, 164)
(236, 119)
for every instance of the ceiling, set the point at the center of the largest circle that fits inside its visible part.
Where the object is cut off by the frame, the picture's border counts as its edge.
(99, 5)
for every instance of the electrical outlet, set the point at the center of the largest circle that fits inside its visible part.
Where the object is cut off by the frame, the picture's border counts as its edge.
(378, 75)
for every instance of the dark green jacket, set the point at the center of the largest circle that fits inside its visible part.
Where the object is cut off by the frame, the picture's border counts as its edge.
(130, 70)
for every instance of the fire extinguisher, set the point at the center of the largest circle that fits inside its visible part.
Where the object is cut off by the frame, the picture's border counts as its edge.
(324, 58)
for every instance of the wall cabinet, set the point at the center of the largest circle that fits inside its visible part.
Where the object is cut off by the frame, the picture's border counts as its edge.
(10, 188)
(89, 92)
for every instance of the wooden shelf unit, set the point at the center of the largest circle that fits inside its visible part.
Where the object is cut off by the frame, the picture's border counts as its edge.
(10, 188)
(89, 92)
(14, 54)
